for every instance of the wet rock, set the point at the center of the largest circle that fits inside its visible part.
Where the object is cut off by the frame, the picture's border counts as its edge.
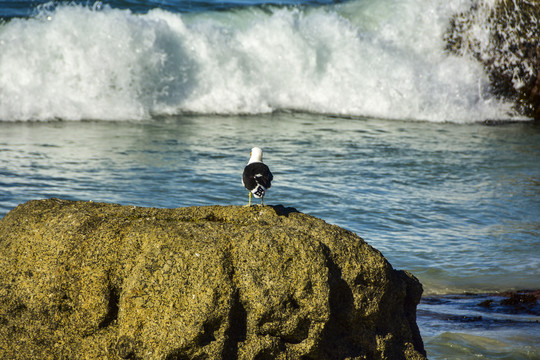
(504, 36)
(518, 302)
(513, 302)
(87, 280)
(486, 303)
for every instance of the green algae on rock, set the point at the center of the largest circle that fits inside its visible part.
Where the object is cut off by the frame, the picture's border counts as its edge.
(83, 280)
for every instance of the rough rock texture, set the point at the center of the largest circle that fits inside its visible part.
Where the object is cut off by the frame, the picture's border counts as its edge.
(504, 35)
(82, 280)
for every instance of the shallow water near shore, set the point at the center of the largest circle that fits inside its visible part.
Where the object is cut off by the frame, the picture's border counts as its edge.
(457, 205)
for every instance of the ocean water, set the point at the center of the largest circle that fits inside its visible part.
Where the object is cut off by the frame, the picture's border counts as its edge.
(364, 119)
(359, 58)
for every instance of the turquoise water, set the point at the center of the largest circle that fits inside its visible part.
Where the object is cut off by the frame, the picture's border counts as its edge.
(366, 121)
(457, 205)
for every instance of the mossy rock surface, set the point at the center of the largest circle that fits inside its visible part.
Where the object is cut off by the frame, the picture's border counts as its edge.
(83, 280)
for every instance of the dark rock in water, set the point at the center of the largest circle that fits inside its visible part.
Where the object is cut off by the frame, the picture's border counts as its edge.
(486, 303)
(518, 302)
(88, 280)
(513, 302)
(522, 296)
(505, 38)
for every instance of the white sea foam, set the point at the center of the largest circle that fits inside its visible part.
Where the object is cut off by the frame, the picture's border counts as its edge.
(362, 58)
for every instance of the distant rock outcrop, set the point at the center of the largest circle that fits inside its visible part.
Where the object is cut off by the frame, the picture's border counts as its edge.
(505, 38)
(83, 280)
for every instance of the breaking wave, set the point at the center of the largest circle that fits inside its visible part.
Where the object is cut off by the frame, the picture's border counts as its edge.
(361, 58)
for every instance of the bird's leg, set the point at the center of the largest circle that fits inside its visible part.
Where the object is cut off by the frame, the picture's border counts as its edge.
(262, 199)
(249, 203)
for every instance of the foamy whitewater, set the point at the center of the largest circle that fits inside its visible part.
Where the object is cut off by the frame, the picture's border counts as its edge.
(373, 58)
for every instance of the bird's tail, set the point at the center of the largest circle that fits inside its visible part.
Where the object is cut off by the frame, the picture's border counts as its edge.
(259, 191)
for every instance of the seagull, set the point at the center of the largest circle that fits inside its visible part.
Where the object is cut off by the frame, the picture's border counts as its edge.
(257, 177)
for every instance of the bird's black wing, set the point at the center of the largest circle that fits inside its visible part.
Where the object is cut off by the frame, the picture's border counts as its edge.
(257, 173)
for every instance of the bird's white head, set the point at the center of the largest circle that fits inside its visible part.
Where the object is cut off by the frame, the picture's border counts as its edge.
(256, 155)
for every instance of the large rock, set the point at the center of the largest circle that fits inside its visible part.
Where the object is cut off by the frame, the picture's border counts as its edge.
(83, 280)
(504, 35)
